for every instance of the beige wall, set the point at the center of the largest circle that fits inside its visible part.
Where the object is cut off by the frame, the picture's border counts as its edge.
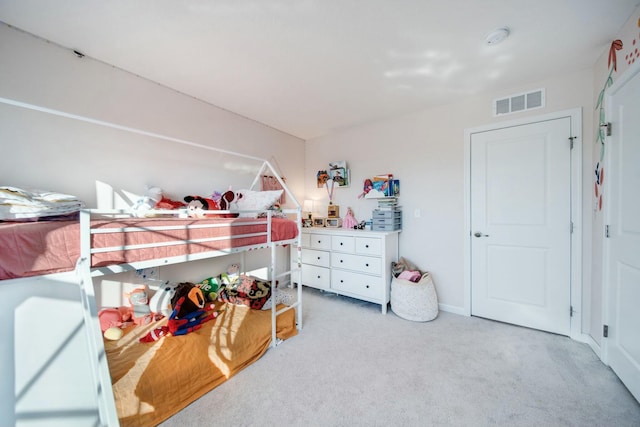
(426, 152)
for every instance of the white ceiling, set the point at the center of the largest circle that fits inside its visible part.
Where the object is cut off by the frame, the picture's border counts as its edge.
(310, 67)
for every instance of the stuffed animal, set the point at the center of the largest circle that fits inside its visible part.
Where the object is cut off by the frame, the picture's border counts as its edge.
(147, 202)
(231, 277)
(228, 199)
(188, 313)
(114, 317)
(196, 206)
(189, 323)
(160, 302)
(139, 301)
(210, 288)
(166, 203)
(194, 299)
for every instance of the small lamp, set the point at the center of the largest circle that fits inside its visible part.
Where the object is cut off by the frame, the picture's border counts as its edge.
(307, 206)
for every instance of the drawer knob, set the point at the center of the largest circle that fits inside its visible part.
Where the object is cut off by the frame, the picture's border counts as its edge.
(366, 246)
(341, 260)
(318, 257)
(318, 277)
(341, 281)
(367, 286)
(367, 265)
(340, 243)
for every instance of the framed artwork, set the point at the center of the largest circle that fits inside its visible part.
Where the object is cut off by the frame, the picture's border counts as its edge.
(322, 177)
(339, 173)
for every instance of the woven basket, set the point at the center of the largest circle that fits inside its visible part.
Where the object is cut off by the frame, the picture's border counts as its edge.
(414, 301)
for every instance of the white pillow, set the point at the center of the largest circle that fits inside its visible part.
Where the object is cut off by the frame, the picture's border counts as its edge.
(256, 200)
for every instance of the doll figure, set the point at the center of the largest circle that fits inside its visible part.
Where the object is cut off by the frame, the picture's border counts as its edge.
(349, 220)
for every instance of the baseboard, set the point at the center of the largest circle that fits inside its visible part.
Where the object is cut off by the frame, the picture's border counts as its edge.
(452, 309)
(593, 344)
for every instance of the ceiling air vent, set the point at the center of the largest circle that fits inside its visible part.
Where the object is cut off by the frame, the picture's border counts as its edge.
(519, 102)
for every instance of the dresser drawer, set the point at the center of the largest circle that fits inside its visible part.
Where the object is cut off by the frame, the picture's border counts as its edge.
(359, 263)
(319, 258)
(342, 243)
(357, 284)
(368, 246)
(386, 227)
(319, 241)
(316, 277)
(380, 214)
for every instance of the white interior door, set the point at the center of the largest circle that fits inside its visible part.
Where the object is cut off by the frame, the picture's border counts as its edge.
(622, 248)
(521, 225)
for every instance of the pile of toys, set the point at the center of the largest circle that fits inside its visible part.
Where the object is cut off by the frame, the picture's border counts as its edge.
(187, 306)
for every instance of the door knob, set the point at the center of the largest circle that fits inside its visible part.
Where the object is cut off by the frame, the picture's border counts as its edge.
(479, 234)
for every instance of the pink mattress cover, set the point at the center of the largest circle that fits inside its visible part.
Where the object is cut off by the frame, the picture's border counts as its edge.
(36, 248)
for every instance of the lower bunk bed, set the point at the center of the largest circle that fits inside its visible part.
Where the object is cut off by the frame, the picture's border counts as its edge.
(132, 383)
(153, 381)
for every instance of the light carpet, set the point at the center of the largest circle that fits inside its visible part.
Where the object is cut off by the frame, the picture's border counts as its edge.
(353, 366)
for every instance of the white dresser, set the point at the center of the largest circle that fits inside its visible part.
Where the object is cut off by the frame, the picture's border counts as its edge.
(355, 263)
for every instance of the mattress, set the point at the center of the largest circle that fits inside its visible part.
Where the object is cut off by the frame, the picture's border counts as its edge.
(153, 381)
(36, 248)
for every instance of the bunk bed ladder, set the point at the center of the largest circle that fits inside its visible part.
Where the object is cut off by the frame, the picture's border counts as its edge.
(98, 357)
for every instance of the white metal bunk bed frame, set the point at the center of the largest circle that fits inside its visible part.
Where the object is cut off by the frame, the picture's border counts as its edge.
(84, 272)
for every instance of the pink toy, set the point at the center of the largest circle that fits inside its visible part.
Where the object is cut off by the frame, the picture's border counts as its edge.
(411, 275)
(114, 317)
(349, 220)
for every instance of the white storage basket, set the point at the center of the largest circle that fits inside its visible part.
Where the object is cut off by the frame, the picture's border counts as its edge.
(415, 301)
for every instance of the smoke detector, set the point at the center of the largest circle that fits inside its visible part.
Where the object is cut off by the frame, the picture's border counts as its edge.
(497, 36)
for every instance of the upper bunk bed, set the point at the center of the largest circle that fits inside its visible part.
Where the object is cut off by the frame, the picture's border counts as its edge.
(52, 260)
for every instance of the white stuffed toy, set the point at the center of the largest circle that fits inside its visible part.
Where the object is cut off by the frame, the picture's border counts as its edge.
(152, 196)
(160, 302)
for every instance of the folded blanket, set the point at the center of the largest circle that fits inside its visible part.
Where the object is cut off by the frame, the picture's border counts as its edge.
(19, 204)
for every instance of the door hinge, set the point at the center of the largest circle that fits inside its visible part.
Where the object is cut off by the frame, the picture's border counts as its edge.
(571, 228)
(606, 231)
(571, 138)
(607, 127)
(605, 331)
(570, 311)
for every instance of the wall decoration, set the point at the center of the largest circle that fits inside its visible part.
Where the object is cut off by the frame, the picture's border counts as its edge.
(322, 177)
(612, 63)
(339, 173)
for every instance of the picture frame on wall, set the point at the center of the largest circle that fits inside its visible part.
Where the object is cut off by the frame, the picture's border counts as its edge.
(322, 177)
(339, 173)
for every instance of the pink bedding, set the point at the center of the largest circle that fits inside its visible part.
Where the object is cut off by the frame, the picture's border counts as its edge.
(36, 248)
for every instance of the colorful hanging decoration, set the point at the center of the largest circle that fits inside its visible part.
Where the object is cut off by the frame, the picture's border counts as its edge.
(612, 64)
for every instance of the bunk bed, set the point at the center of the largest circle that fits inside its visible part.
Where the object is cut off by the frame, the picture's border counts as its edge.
(126, 382)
